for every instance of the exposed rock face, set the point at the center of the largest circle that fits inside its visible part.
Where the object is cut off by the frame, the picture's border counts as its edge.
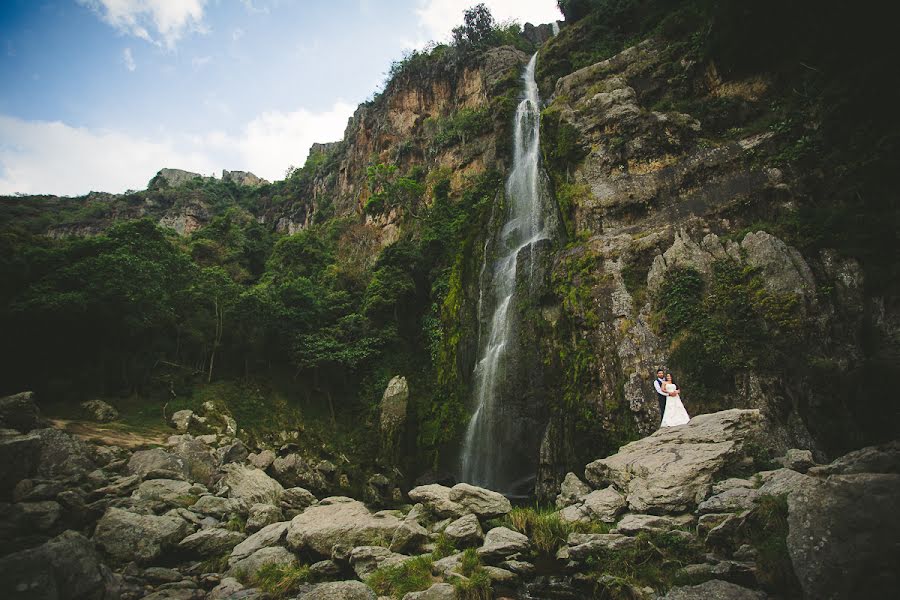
(339, 590)
(142, 538)
(243, 178)
(720, 590)
(156, 462)
(269, 535)
(673, 469)
(64, 568)
(19, 455)
(294, 471)
(172, 178)
(339, 520)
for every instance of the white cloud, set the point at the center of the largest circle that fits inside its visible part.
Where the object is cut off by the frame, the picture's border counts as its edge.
(198, 62)
(237, 34)
(438, 17)
(128, 59)
(161, 22)
(41, 157)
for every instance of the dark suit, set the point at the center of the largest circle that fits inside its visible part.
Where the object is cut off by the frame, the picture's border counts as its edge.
(661, 398)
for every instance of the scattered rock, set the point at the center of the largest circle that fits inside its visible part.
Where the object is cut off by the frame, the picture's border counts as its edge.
(366, 559)
(270, 535)
(634, 524)
(733, 500)
(582, 545)
(501, 543)
(409, 537)
(261, 515)
(339, 590)
(273, 555)
(393, 405)
(293, 471)
(19, 412)
(211, 542)
(64, 568)
(144, 463)
(486, 504)
(100, 411)
(143, 538)
(714, 590)
(436, 498)
(798, 460)
(438, 591)
(339, 520)
(571, 491)
(465, 531)
(249, 484)
(605, 505)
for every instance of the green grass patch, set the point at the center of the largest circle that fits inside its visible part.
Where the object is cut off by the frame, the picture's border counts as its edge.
(544, 527)
(280, 581)
(475, 583)
(236, 523)
(215, 564)
(443, 547)
(414, 575)
(766, 529)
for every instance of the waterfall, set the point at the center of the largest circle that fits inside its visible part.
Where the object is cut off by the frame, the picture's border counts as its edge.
(490, 442)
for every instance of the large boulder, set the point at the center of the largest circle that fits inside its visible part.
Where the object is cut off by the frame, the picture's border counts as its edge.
(486, 504)
(173, 492)
(156, 462)
(65, 568)
(393, 405)
(211, 542)
(714, 590)
(199, 462)
(572, 491)
(604, 505)
(270, 555)
(339, 590)
(673, 469)
(436, 498)
(365, 560)
(63, 455)
(19, 412)
(501, 542)
(843, 536)
(339, 520)
(219, 507)
(249, 484)
(100, 411)
(129, 536)
(294, 471)
(465, 531)
(270, 535)
(19, 456)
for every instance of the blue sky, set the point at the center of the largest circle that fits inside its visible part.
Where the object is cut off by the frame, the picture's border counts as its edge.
(100, 94)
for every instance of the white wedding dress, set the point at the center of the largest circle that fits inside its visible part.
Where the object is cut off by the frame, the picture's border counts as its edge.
(675, 413)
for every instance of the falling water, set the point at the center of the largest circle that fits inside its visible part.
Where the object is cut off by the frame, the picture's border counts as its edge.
(490, 441)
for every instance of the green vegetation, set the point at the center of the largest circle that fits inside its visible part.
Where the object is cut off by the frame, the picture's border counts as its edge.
(766, 530)
(730, 323)
(413, 575)
(475, 583)
(443, 547)
(279, 580)
(652, 561)
(547, 532)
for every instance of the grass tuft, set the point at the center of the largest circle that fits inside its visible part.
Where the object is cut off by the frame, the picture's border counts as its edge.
(280, 580)
(544, 527)
(413, 575)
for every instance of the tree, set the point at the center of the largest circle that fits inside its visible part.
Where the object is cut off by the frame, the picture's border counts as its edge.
(478, 29)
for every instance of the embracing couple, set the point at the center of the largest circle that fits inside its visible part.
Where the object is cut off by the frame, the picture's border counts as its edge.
(671, 410)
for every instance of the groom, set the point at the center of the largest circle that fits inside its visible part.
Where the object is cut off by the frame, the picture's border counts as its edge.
(660, 395)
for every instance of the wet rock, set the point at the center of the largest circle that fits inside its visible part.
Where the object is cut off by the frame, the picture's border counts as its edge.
(487, 504)
(339, 520)
(143, 538)
(100, 411)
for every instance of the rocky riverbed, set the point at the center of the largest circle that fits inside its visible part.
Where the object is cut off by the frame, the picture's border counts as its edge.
(683, 513)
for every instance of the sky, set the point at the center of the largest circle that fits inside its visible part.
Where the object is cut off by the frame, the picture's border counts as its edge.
(98, 95)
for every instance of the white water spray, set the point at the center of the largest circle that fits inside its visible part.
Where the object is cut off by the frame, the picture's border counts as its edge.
(488, 443)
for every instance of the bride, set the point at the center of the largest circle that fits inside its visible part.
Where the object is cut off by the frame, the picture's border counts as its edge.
(675, 414)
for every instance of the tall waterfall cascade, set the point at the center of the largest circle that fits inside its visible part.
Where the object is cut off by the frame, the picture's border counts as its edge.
(491, 440)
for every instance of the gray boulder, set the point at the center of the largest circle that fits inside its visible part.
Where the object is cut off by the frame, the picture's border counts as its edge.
(673, 469)
(394, 403)
(501, 543)
(271, 555)
(465, 531)
(339, 590)
(155, 462)
(339, 520)
(270, 535)
(582, 545)
(19, 412)
(733, 500)
(798, 460)
(211, 542)
(100, 411)
(293, 471)
(295, 500)
(571, 491)
(199, 462)
(261, 515)
(219, 507)
(634, 524)
(409, 537)
(19, 456)
(173, 492)
(872, 459)
(367, 559)
(62, 455)
(439, 591)
(487, 504)
(843, 536)
(142, 538)
(226, 588)
(714, 590)
(263, 460)
(249, 484)
(436, 498)
(65, 568)
(604, 505)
